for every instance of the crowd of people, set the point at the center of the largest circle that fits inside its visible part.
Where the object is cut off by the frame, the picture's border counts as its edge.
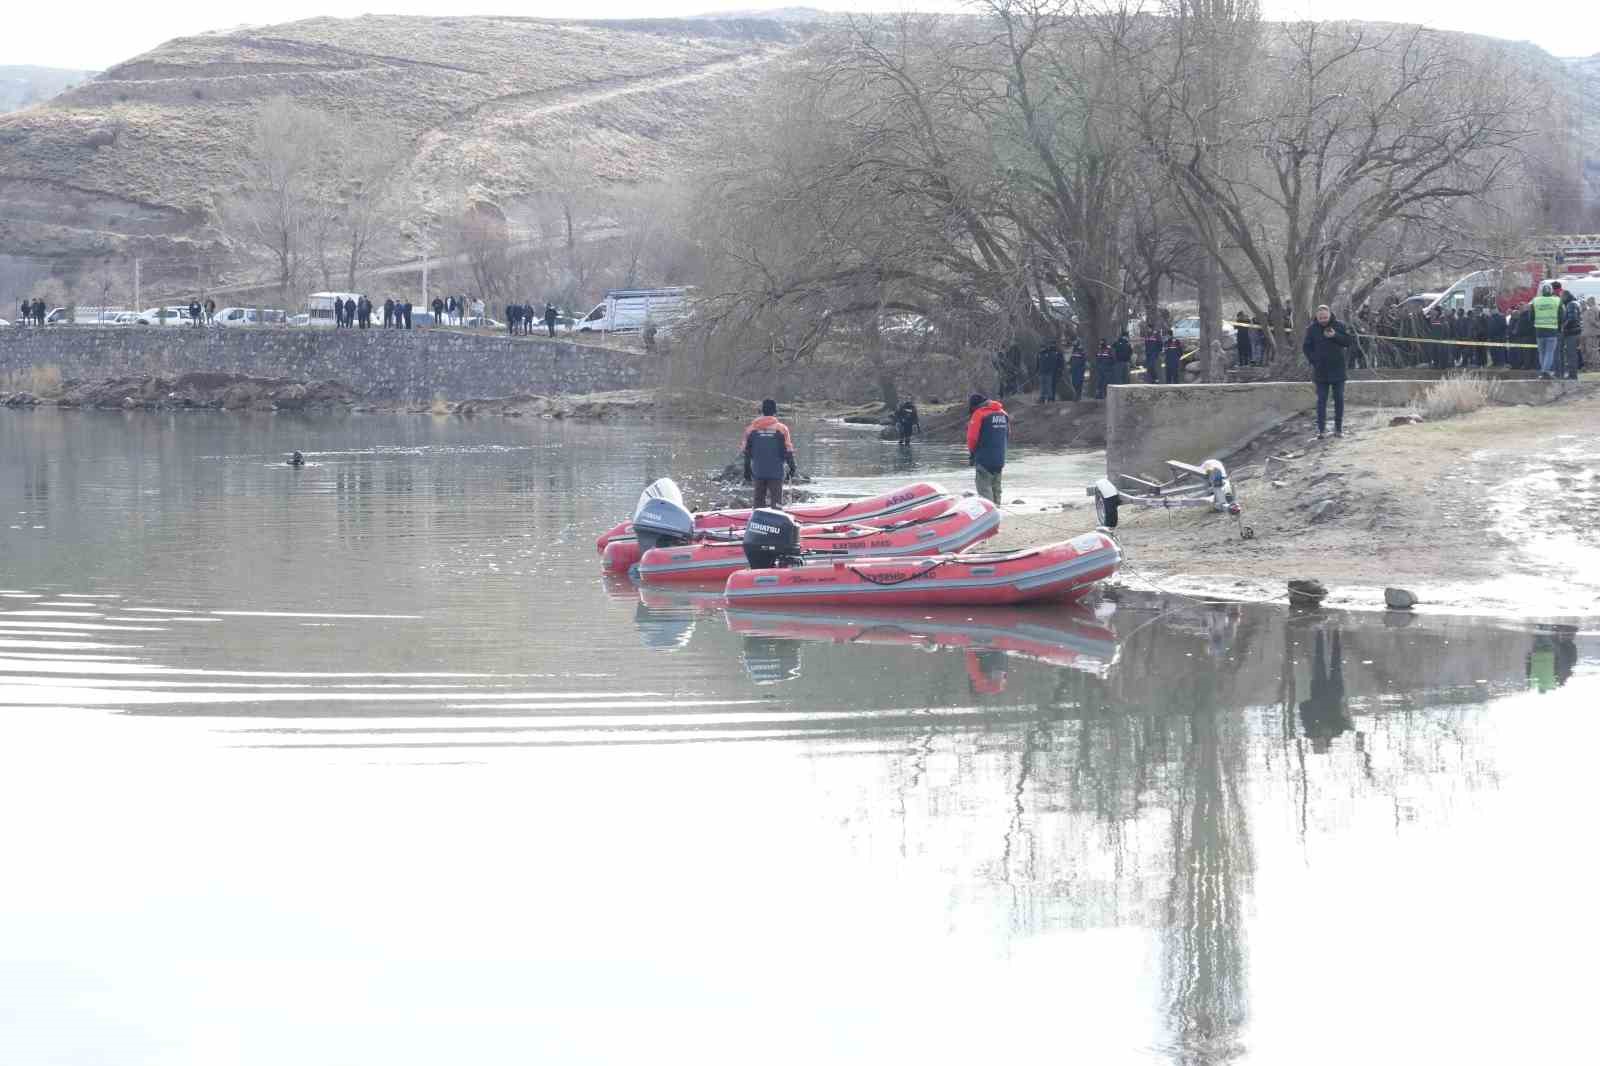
(1555, 334)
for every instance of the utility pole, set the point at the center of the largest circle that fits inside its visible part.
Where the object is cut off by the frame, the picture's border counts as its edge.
(425, 304)
(138, 305)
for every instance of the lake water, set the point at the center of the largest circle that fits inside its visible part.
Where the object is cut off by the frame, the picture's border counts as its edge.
(365, 763)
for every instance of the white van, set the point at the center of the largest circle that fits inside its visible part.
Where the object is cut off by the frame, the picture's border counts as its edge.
(247, 316)
(319, 307)
(1583, 286)
(627, 310)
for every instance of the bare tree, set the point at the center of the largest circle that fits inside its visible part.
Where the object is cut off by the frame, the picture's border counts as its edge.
(1353, 134)
(283, 174)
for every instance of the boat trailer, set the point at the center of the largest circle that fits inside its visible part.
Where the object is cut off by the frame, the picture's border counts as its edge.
(1206, 485)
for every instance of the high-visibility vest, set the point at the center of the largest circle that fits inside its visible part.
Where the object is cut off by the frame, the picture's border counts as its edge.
(1547, 312)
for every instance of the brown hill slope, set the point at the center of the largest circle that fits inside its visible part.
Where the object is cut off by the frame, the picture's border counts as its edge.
(136, 162)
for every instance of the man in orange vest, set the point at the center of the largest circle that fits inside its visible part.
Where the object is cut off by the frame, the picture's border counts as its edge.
(768, 452)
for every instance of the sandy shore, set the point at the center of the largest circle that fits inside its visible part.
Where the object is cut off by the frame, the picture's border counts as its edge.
(1497, 512)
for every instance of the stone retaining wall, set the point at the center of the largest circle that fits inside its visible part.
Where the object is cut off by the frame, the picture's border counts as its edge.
(1148, 424)
(403, 365)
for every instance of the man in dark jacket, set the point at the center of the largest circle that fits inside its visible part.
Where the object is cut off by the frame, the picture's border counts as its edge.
(1326, 344)
(194, 313)
(1123, 351)
(513, 316)
(1077, 364)
(405, 311)
(768, 452)
(1241, 338)
(1571, 331)
(1172, 353)
(388, 311)
(349, 313)
(988, 427)
(1050, 364)
(550, 318)
(1105, 364)
(1496, 323)
(1152, 356)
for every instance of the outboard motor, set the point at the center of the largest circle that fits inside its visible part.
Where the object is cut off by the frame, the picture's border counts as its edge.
(771, 539)
(661, 520)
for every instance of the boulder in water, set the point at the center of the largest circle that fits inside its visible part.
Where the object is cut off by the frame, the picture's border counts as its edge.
(1399, 599)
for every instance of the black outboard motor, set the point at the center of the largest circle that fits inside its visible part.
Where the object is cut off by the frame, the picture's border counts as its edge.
(771, 539)
(661, 520)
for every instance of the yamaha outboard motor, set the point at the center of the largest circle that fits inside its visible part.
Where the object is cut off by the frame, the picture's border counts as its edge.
(661, 520)
(771, 539)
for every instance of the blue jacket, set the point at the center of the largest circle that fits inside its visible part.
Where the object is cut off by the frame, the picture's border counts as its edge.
(987, 431)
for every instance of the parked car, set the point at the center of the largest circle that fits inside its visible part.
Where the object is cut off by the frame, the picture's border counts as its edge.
(4, 324)
(128, 318)
(1187, 330)
(475, 322)
(302, 319)
(176, 316)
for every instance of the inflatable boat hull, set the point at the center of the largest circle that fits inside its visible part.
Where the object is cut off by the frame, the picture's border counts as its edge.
(1064, 571)
(864, 510)
(625, 552)
(961, 524)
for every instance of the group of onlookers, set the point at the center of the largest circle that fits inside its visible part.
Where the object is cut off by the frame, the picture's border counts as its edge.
(31, 312)
(1446, 338)
(523, 318)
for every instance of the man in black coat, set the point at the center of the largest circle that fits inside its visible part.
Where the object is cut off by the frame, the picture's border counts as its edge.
(1122, 350)
(406, 313)
(550, 318)
(1326, 346)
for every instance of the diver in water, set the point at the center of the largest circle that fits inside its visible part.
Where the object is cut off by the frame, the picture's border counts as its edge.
(296, 459)
(906, 420)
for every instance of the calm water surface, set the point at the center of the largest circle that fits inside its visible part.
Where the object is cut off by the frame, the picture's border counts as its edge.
(365, 763)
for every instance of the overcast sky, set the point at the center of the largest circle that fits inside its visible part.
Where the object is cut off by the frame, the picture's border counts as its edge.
(95, 34)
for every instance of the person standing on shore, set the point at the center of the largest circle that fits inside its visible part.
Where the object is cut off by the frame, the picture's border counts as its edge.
(1123, 351)
(1077, 364)
(1326, 345)
(550, 318)
(1571, 329)
(1172, 351)
(1104, 364)
(988, 427)
(1049, 371)
(1546, 311)
(768, 453)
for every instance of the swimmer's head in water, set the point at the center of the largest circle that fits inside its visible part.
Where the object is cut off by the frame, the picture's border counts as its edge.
(296, 459)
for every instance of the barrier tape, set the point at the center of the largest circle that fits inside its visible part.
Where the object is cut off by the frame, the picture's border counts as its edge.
(1409, 340)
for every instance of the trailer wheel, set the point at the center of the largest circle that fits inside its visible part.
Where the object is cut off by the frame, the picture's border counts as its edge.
(1105, 509)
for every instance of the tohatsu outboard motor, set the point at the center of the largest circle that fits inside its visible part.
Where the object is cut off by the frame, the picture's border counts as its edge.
(771, 539)
(661, 520)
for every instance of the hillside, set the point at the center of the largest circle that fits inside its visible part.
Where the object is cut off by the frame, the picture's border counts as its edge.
(135, 162)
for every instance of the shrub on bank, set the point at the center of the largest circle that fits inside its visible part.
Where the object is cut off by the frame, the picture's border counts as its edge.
(1457, 395)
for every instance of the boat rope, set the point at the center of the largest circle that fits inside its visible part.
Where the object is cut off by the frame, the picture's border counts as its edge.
(924, 572)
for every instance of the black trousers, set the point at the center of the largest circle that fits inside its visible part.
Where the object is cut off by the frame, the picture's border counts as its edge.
(1323, 389)
(1047, 387)
(769, 492)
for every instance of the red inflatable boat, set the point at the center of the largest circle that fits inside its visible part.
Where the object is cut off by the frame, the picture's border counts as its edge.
(866, 510)
(956, 525)
(625, 552)
(1061, 571)
(1068, 636)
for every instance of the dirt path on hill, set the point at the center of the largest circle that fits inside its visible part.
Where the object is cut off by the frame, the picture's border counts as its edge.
(1495, 512)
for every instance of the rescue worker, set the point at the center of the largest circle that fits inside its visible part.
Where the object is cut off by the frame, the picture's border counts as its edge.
(1172, 355)
(906, 420)
(1546, 309)
(988, 426)
(1326, 345)
(1077, 364)
(768, 451)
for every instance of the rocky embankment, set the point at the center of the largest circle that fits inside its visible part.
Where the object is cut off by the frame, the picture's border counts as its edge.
(227, 392)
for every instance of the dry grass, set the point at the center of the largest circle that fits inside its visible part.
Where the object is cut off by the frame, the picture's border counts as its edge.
(39, 380)
(1457, 395)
